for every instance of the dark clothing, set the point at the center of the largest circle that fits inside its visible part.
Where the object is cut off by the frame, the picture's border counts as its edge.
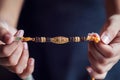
(66, 18)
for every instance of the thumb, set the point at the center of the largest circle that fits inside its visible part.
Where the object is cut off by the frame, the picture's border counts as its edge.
(109, 32)
(6, 36)
(19, 33)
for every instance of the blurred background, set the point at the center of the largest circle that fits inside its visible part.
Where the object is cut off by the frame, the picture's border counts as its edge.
(68, 18)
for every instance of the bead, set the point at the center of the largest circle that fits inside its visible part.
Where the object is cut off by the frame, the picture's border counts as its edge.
(18, 38)
(59, 40)
(27, 39)
(43, 39)
(76, 39)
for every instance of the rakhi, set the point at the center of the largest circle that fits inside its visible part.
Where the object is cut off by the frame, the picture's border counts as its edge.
(62, 40)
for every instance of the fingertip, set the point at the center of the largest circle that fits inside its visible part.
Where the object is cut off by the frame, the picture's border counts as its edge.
(19, 33)
(91, 72)
(25, 45)
(31, 61)
(29, 70)
(30, 67)
(89, 69)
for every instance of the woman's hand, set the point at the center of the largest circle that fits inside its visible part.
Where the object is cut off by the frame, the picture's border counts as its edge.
(14, 55)
(104, 55)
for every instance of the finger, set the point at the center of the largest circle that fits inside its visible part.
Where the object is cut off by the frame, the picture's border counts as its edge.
(28, 70)
(106, 50)
(110, 31)
(6, 36)
(13, 59)
(99, 57)
(95, 64)
(116, 49)
(22, 64)
(7, 50)
(19, 33)
(98, 67)
(95, 53)
(100, 54)
(95, 74)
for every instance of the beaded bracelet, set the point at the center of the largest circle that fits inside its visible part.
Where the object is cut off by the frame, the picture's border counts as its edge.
(61, 39)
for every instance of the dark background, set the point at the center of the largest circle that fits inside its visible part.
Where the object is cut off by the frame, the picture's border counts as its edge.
(66, 18)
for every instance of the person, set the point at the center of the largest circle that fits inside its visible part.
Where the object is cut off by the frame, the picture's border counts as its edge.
(52, 18)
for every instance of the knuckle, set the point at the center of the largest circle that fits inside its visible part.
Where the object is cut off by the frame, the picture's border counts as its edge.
(103, 61)
(25, 66)
(5, 52)
(110, 54)
(12, 62)
(18, 70)
(101, 71)
(29, 70)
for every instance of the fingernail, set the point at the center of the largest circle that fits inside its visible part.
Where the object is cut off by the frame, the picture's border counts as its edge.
(20, 33)
(31, 62)
(25, 45)
(89, 70)
(105, 38)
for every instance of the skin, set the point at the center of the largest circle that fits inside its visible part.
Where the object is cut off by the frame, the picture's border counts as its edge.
(104, 55)
(13, 54)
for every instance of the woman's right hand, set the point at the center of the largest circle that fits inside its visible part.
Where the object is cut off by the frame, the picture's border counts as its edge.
(14, 55)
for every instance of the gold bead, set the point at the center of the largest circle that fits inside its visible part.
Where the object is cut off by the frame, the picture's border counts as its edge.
(76, 39)
(59, 40)
(43, 39)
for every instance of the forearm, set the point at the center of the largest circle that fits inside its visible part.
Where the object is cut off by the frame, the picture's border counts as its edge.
(112, 7)
(10, 10)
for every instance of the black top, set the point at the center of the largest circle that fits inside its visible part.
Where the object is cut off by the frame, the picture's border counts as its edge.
(66, 18)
